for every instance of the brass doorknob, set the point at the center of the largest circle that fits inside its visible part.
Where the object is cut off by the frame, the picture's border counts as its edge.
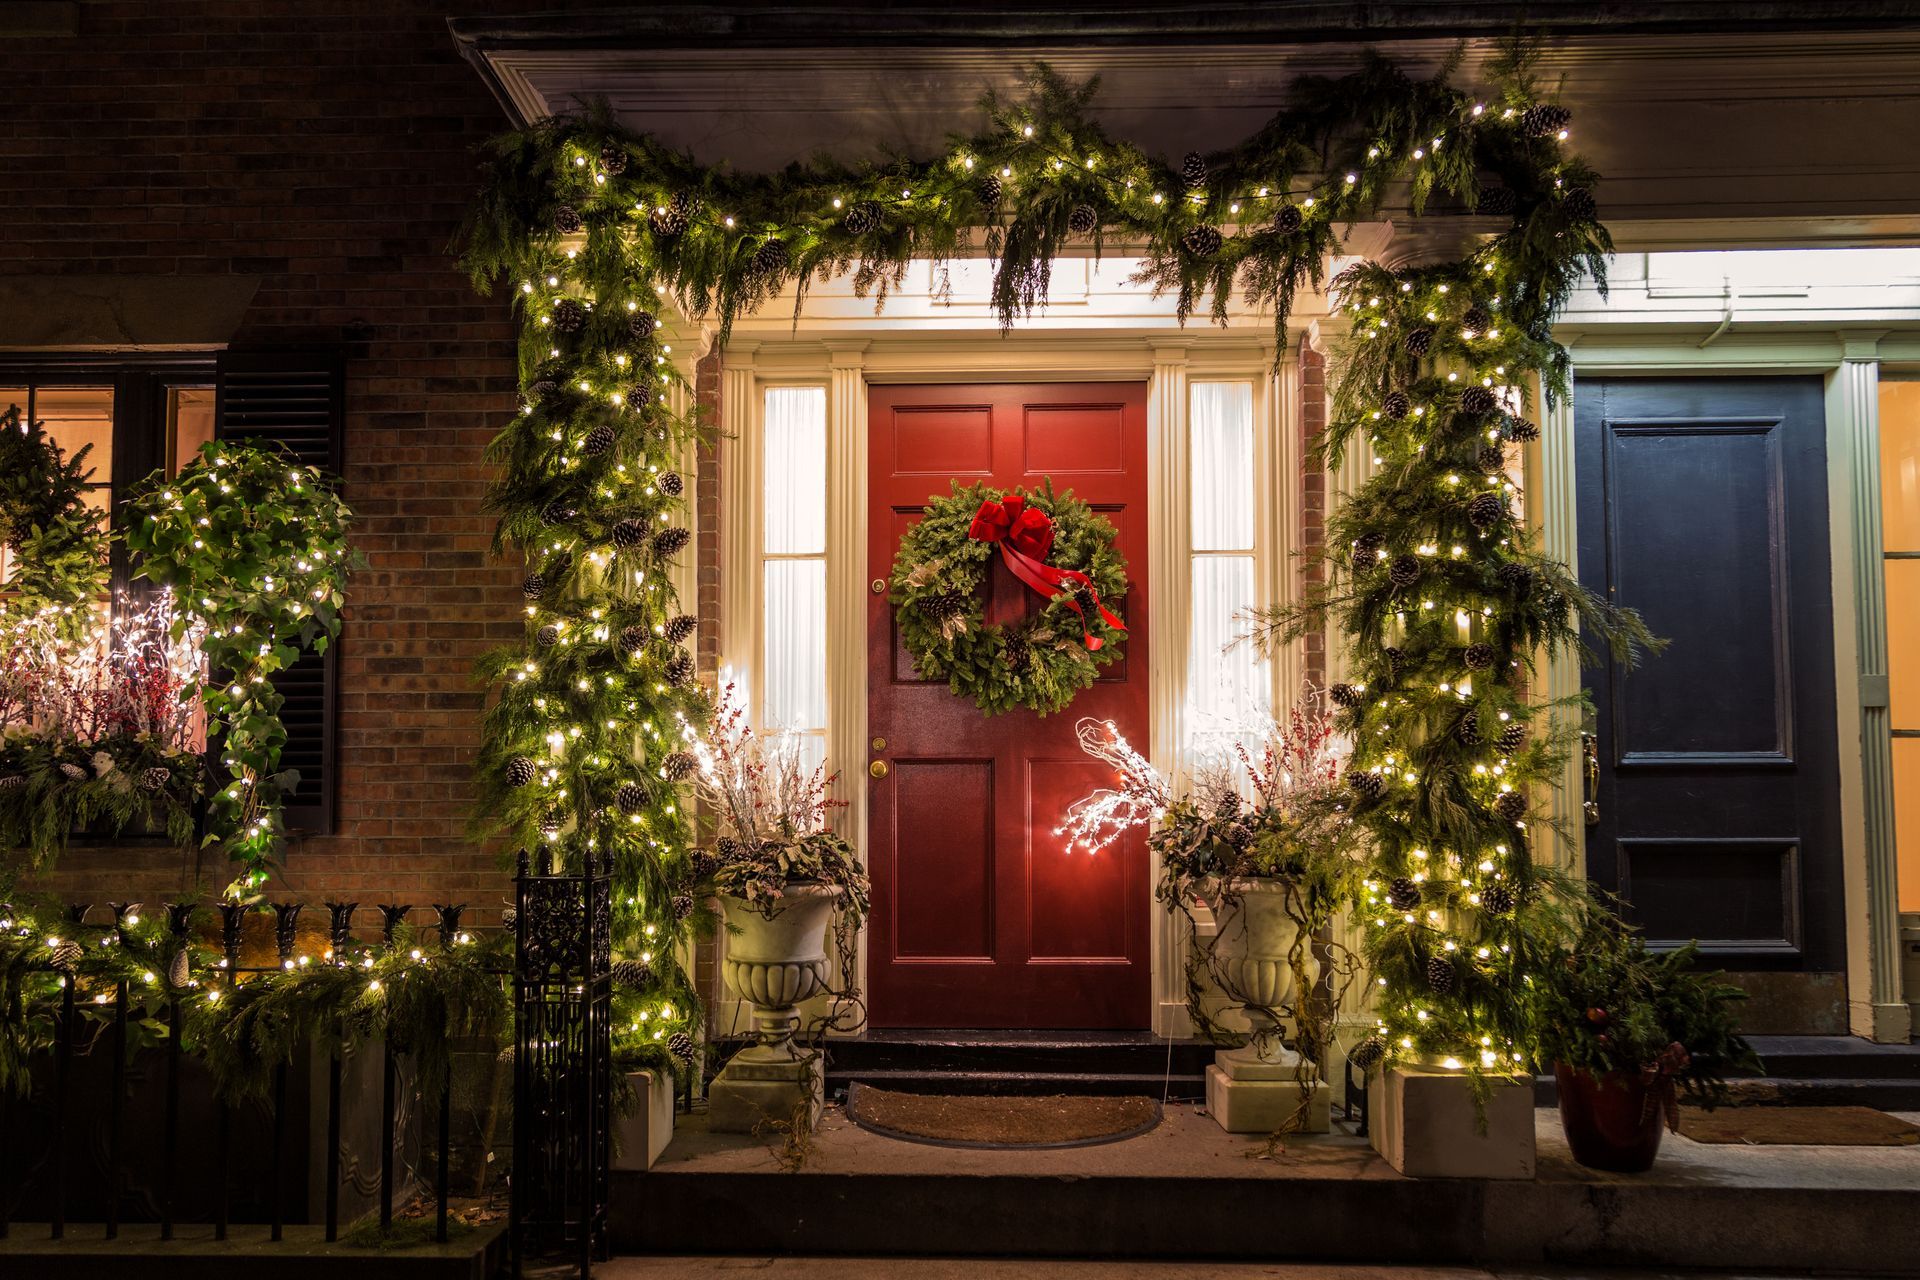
(879, 769)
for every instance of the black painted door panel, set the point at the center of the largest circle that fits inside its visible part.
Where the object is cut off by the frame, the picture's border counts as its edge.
(1703, 503)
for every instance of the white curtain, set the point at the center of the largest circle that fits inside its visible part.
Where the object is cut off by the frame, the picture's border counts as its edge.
(1229, 689)
(794, 604)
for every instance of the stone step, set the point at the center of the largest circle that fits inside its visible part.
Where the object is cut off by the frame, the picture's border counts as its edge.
(1836, 1058)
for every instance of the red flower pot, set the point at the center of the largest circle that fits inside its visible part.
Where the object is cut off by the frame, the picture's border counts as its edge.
(1612, 1122)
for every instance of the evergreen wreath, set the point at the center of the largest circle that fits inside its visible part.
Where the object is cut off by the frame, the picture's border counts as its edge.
(1041, 663)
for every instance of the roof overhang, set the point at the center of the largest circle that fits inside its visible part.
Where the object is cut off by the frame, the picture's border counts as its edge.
(1792, 125)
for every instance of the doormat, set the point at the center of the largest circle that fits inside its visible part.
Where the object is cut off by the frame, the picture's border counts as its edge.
(1002, 1123)
(1798, 1127)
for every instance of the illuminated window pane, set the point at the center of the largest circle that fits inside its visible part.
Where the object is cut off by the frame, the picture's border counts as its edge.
(1221, 465)
(796, 471)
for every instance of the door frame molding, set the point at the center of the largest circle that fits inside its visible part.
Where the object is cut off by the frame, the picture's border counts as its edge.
(848, 367)
(1849, 361)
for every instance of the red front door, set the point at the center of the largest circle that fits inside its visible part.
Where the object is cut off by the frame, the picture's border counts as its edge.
(981, 917)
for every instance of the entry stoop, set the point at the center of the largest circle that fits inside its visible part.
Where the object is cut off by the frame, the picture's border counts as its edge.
(1111, 1063)
(1186, 1190)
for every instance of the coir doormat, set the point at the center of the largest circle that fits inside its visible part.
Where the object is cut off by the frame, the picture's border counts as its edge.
(1017, 1123)
(1798, 1127)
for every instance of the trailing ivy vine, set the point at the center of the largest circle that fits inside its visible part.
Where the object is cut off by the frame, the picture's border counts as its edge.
(254, 547)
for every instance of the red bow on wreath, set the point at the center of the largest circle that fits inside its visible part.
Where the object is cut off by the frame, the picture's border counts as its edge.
(1025, 535)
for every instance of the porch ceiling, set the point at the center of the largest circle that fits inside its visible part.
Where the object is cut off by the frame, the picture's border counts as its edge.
(1740, 137)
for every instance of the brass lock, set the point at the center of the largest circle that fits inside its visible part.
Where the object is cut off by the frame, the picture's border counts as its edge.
(879, 586)
(879, 769)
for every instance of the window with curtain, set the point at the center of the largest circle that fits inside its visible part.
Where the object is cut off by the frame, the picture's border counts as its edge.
(1900, 539)
(793, 614)
(1229, 690)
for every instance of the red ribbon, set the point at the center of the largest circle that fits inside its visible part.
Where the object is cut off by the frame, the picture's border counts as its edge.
(1025, 535)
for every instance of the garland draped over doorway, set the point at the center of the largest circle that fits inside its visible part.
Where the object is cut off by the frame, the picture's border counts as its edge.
(595, 228)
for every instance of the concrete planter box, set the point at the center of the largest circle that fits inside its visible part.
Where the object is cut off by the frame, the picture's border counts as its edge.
(640, 1137)
(1425, 1123)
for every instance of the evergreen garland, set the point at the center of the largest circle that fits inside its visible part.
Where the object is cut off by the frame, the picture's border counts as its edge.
(594, 226)
(1447, 604)
(1044, 662)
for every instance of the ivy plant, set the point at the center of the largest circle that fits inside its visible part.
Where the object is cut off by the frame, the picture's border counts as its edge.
(253, 545)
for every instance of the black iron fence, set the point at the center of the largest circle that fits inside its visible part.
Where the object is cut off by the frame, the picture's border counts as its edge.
(62, 1115)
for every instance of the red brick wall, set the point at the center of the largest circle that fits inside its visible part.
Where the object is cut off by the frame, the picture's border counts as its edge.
(1313, 489)
(326, 147)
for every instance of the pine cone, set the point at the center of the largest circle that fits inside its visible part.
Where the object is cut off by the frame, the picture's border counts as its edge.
(641, 325)
(1517, 578)
(631, 797)
(1512, 738)
(66, 956)
(1404, 570)
(681, 1047)
(547, 636)
(629, 534)
(670, 542)
(1468, 729)
(556, 512)
(1368, 1054)
(520, 771)
(533, 586)
(566, 220)
(1478, 656)
(1497, 899)
(1287, 219)
(634, 975)
(1578, 202)
(680, 626)
(1440, 975)
(1344, 695)
(1366, 784)
(1492, 459)
(1477, 401)
(667, 222)
(180, 970)
(1544, 120)
(1082, 220)
(1201, 241)
(861, 218)
(770, 258)
(1496, 202)
(1017, 651)
(509, 917)
(1477, 318)
(613, 159)
(569, 316)
(155, 778)
(1520, 429)
(1396, 405)
(12, 782)
(679, 668)
(1366, 550)
(1193, 170)
(1403, 894)
(682, 905)
(989, 190)
(942, 605)
(1511, 805)
(1486, 510)
(679, 766)
(74, 772)
(671, 484)
(729, 848)
(599, 440)
(1418, 341)
(633, 639)
(1394, 656)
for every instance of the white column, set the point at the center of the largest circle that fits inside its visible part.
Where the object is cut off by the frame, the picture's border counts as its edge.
(1278, 456)
(1878, 1009)
(1169, 533)
(848, 596)
(1552, 513)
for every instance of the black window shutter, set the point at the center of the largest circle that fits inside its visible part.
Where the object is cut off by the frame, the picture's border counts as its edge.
(295, 400)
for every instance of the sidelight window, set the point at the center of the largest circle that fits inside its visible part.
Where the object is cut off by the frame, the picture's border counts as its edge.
(793, 614)
(1229, 691)
(1900, 537)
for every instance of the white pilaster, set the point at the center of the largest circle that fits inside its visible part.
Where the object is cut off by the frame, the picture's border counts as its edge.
(1874, 979)
(1550, 503)
(848, 596)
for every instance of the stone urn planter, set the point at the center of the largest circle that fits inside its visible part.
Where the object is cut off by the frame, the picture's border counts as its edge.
(1613, 1121)
(776, 959)
(1259, 1087)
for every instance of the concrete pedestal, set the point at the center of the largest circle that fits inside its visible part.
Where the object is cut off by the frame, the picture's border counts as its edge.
(763, 1087)
(640, 1137)
(1266, 1103)
(1425, 1123)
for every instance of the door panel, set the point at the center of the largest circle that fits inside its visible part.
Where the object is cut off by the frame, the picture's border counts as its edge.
(981, 916)
(1703, 503)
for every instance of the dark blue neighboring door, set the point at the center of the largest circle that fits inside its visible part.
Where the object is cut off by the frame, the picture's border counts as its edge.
(1715, 801)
